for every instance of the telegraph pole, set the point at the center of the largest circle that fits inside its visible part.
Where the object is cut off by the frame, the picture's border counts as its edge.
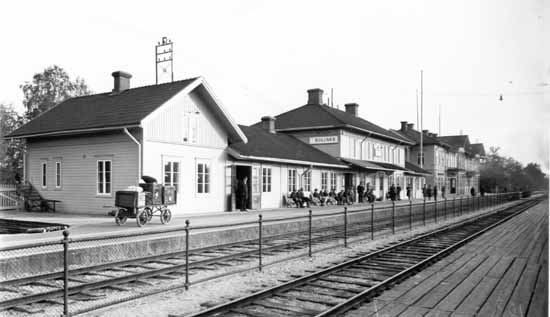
(421, 118)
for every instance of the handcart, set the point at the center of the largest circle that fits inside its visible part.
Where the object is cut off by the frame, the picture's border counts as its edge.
(144, 205)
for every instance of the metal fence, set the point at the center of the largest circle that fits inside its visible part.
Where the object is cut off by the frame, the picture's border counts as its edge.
(309, 234)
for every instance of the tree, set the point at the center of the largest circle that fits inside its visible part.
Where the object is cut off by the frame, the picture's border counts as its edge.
(499, 173)
(11, 151)
(49, 88)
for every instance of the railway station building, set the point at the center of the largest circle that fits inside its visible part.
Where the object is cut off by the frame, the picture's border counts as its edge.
(84, 149)
(450, 160)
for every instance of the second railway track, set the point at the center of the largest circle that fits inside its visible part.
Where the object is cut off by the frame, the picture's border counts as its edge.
(342, 287)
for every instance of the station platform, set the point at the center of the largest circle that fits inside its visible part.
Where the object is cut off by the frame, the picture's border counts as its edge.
(503, 272)
(83, 226)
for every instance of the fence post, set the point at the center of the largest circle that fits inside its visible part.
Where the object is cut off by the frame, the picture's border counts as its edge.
(445, 208)
(410, 215)
(393, 217)
(345, 227)
(260, 242)
(424, 212)
(435, 209)
(66, 272)
(186, 254)
(460, 207)
(372, 221)
(309, 234)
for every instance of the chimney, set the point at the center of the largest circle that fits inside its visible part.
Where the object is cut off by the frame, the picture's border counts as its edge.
(122, 81)
(404, 126)
(315, 96)
(410, 126)
(352, 108)
(268, 124)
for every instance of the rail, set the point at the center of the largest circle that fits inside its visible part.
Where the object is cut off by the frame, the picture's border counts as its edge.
(353, 223)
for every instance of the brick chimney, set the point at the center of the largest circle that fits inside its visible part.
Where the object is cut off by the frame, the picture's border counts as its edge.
(268, 124)
(315, 96)
(404, 126)
(352, 108)
(122, 81)
(410, 126)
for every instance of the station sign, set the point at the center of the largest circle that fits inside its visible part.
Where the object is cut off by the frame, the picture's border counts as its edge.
(323, 139)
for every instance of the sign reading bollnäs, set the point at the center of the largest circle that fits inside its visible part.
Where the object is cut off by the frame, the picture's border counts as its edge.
(323, 139)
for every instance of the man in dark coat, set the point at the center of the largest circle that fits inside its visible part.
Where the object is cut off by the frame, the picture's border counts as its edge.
(360, 191)
(429, 192)
(242, 193)
(409, 192)
(392, 192)
(435, 192)
(443, 189)
(473, 191)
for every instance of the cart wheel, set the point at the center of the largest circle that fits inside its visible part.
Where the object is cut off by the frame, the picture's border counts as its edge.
(120, 217)
(141, 217)
(165, 216)
(149, 212)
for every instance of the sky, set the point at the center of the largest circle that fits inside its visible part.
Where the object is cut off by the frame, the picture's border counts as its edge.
(260, 57)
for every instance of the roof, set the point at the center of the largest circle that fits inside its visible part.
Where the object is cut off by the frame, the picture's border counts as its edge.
(477, 148)
(375, 166)
(265, 146)
(104, 110)
(415, 169)
(414, 136)
(456, 141)
(312, 116)
(124, 109)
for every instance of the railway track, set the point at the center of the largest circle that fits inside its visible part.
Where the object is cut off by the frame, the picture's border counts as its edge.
(32, 294)
(111, 283)
(340, 288)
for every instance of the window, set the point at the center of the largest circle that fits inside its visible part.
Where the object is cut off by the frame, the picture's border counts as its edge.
(57, 174)
(203, 178)
(103, 177)
(266, 180)
(307, 181)
(333, 181)
(420, 157)
(291, 180)
(44, 172)
(190, 127)
(172, 174)
(324, 180)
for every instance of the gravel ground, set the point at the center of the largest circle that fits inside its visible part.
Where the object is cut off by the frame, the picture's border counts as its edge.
(207, 294)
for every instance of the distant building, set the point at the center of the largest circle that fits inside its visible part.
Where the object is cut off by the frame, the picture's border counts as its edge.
(451, 160)
(376, 155)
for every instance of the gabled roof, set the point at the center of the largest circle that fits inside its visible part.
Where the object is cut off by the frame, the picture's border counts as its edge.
(115, 110)
(279, 147)
(313, 116)
(477, 148)
(414, 136)
(456, 141)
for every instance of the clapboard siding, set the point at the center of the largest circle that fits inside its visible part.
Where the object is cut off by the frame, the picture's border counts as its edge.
(79, 155)
(168, 123)
(154, 155)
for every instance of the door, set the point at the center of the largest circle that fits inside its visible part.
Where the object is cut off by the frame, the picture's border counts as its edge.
(256, 193)
(171, 167)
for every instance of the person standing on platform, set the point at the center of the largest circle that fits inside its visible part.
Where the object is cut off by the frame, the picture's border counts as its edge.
(242, 193)
(429, 192)
(392, 192)
(473, 191)
(435, 192)
(443, 192)
(360, 191)
(409, 192)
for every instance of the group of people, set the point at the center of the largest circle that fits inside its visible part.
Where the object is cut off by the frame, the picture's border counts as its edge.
(428, 191)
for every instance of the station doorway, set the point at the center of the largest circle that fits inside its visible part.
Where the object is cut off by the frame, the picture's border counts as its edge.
(243, 171)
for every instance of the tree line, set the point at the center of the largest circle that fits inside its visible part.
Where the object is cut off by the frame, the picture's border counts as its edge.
(500, 174)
